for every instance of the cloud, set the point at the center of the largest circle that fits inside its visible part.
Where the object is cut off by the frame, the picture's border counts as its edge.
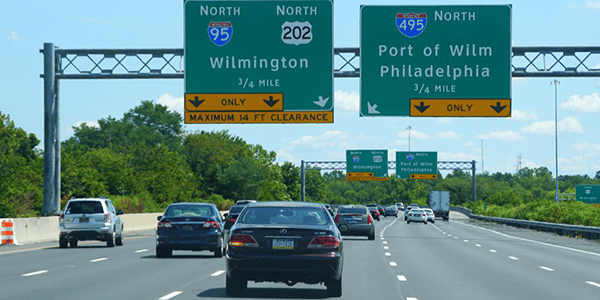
(329, 139)
(172, 103)
(523, 115)
(443, 120)
(503, 136)
(447, 135)
(568, 124)
(593, 4)
(347, 101)
(13, 37)
(283, 156)
(588, 104)
(591, 149)
(469, 144)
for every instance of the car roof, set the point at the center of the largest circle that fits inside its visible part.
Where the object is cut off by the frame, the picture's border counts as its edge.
(192, 203)
(284, 204)
(88, 199)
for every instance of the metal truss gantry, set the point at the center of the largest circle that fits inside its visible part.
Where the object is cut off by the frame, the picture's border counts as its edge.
(341, 166)
(168, 64)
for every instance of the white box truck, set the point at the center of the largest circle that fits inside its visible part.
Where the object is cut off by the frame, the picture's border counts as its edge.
(439, 201)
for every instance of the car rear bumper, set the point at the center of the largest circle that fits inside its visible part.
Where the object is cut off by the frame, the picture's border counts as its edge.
(309, 268)
(87, 235)
(356, 229)
(209, 241)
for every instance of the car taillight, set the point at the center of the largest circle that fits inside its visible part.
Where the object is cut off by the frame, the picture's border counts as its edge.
(242, 240)
(165, 225)
(424, 215)
(62, 217)
(369, 219)
(211, 224)
(337, 218)
(232, 220)
(324, 242)
(106, 217)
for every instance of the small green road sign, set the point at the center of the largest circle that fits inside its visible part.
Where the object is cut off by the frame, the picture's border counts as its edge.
(588, 193)
(258, 61)
(435, 61)
(361, 162)
(414, 165)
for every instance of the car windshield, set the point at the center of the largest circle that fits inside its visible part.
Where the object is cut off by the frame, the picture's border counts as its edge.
(285, 216)
(352, 210)
(84, 207)
(188, 211)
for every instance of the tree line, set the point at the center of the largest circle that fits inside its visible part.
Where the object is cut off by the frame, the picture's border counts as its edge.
(145, 161)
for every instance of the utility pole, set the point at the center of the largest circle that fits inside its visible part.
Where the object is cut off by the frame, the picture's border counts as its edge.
(556, 83)
(482, 157)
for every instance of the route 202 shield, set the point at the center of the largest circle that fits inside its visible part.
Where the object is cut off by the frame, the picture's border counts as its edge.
(220, 32)
(411, 24)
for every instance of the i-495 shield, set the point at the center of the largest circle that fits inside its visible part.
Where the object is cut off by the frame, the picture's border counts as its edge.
(220, 32)
(411, 24)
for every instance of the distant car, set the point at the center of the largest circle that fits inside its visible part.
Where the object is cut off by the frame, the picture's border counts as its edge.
(190, 226)
(400, 205)
(232, 215)
(381, 210)
(391, 211)
(416, 215)
(374, 212)
(90, 219)
(244, 202)
(430, 215)
(355, 220)
(330, 210)
(287, 242)
(408, 209)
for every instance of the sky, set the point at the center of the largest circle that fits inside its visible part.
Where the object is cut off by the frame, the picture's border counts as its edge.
(527, 136)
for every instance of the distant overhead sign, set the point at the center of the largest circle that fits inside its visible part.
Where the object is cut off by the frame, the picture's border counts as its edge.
(366, 165)
(258, 61)
(435, 61)
(416, 165)
(588, 193)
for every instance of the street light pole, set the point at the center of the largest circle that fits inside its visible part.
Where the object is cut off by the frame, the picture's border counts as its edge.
(408, 128)
(556, 83)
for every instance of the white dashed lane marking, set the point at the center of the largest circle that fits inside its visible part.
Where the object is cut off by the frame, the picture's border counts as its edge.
(393, 264)
(493, 251)
(385, 242)
(593, 283)
(171, 295)
(98, 259)
(401, 277)
(513, 258)
(34, 273)
(142, 250)
(388, 254)
(217, 273)
(386, 247)
(546, 268)
(477, 245)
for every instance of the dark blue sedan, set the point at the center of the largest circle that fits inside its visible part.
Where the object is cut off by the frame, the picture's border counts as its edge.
(189, 226)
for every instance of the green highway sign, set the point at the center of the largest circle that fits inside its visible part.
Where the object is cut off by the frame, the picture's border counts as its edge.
(415, 165)
(588, 193)
(258, 61)
(366, 165)
(435, 61)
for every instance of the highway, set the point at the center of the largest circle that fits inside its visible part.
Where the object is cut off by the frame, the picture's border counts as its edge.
(460, 259)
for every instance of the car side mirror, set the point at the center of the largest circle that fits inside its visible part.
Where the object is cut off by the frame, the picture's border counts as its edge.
(158, 218)
(120, 212)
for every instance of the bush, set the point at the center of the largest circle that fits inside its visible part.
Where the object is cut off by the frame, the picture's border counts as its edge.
(129, 205)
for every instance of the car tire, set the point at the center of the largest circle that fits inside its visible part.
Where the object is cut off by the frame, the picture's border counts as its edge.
(110, 240)
(119, 240)
(334, 288)
(372, 236)
(73, 243)
(219, 250)
(235, 285)
(63, 242)
(407, 222)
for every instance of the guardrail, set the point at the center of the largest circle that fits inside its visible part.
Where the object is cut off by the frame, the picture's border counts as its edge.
(587, 232)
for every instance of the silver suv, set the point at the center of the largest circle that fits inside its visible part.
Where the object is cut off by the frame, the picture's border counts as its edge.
(90, 219)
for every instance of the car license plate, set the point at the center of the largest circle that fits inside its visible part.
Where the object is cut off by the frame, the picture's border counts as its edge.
(283, 244)
(84, 220)
(188, 228)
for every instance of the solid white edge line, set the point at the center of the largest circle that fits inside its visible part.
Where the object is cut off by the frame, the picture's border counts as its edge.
(532, 241)
(401, 277)
(98, 259)
(171, 295)
(142, 250)
(593, 283)
(35, 273)
(393, 264)
(217, 273)
(546, 268)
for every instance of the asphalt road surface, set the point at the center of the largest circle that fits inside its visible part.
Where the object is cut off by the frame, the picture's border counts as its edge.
(460, 259)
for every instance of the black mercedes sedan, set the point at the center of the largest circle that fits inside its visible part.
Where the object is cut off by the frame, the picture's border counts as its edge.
(287, 242)
(189, 226)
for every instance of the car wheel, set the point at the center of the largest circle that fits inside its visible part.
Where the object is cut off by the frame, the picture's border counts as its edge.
(160, 253)
(334, 288)
(110, 241)
(433, 221)
(372, 236)
(63, 242)
(73, 243)
(119, 240)
(234, 285)
(219, 251)
(407, 222)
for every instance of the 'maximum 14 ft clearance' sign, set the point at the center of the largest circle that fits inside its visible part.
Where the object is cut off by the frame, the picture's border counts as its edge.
(430, 61)
(258, 61)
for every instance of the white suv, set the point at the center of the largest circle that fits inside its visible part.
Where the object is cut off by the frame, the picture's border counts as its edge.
(90, 219)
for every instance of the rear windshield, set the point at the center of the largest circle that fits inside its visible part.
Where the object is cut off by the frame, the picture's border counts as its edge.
(285, 216)
(236, 209)
(84, 207)
(189, 211)
(352, 210)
